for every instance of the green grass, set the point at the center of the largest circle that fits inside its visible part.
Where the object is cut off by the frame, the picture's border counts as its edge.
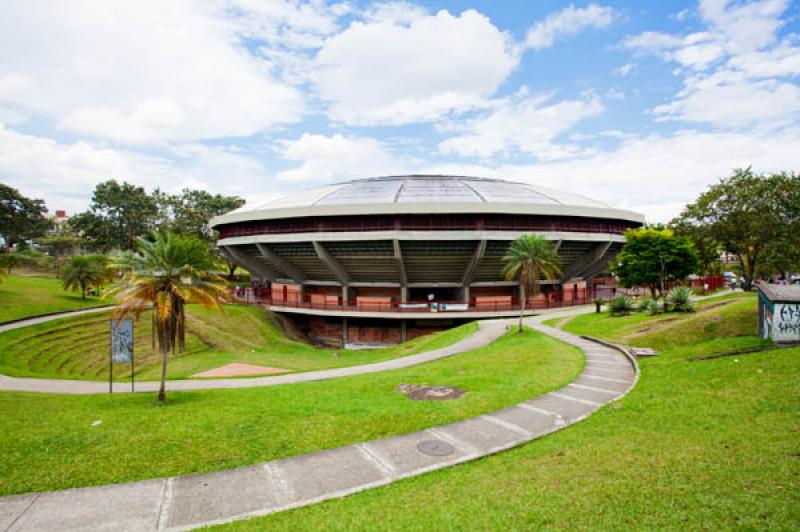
(725, 317)
(48, 441)
(713, 444)
(77, 347)
(22, 296)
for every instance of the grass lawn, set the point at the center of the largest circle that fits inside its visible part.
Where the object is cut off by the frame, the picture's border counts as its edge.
(77, 347)
(48, 441)
(22, 296)
(713, 444)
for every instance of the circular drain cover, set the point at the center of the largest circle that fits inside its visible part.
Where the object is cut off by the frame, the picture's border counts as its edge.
(435, 448)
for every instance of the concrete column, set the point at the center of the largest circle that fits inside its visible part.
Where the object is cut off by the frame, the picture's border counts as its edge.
(402, 331)
(465, 293)
(345, 294)
(403, 294)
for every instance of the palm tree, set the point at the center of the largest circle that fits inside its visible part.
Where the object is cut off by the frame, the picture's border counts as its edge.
(167, 273)
(84, 271)
(527, 259)
(14, 260)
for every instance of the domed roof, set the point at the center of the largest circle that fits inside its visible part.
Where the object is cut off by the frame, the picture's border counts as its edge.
(415, 194)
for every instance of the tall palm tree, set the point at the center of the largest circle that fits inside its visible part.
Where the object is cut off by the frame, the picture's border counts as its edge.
(527, 260)
(168, 272)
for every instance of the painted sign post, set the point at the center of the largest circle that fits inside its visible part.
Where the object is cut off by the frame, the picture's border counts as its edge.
(121, 348)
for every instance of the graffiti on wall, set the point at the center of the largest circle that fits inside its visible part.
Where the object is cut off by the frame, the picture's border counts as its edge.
(786, 322)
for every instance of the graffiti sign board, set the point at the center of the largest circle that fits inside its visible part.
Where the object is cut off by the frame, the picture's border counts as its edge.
(121, 341)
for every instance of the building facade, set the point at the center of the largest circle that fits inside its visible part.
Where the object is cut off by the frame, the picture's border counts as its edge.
(384, 259)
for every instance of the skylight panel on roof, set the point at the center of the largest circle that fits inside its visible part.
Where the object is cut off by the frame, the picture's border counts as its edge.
(502, 192)
(436, 190)
(359, 192)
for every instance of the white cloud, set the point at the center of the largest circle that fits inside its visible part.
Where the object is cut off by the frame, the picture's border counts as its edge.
(568, 21)
(681, 15)
(389, 73)
(138, 72)
(325, 158)
(654, 174)
(695, 51)
(626, 69)
(286, 23)
(64, 174)
(766, 103)
(747, 26)
(529, 125)
(400, 12)
(737, 74)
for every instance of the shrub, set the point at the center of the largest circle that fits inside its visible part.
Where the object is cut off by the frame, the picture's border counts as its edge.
(650, 306)
(620, 305)
(680, 298)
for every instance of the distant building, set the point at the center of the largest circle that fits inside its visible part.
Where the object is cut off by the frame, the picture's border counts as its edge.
(384, 259)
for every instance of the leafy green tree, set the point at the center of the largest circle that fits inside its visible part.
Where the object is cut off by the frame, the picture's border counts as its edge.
(61, 243)
(746, 214)
(708, 249)
(21, 218)
(166, 274)
(654, 256)
(189, 212)
(83, 272)
(118, 214)
(527, 260)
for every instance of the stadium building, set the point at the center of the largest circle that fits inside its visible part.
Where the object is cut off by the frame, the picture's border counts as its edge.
(386, 259)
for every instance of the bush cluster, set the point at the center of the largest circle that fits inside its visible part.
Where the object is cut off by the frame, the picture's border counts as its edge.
(678, 299)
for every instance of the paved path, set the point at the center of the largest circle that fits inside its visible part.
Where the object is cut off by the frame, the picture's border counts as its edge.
(488, 331)
(185, 502)
(49, 317)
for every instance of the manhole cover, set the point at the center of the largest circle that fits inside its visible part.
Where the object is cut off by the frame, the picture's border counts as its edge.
(435, 448)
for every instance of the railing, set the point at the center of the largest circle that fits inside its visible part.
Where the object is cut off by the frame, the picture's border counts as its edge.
(412, 222)
(552, 300)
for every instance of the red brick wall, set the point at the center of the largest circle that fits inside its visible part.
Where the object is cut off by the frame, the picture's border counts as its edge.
(378, 335)
(416, 332)
(378, 292)
(479, 291)
(320, 330)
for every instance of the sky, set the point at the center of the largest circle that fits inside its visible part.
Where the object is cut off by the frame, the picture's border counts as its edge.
(639, 104)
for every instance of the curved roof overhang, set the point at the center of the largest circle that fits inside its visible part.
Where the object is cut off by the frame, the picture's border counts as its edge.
(427, 208)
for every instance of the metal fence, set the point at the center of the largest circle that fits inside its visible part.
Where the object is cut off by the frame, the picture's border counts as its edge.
(556, 299)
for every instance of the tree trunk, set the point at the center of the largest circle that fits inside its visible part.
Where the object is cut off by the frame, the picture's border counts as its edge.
(162, 391)
(523, 298)
(83, 291)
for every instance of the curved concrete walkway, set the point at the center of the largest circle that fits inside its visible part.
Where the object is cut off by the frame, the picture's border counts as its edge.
(488, 331)
(185, 502)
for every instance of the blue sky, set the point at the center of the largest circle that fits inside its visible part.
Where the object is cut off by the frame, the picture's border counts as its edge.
(639, 104)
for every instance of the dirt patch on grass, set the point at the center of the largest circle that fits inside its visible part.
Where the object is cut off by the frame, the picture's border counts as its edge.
(667, 322)
(238, 370)
(562, 322)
